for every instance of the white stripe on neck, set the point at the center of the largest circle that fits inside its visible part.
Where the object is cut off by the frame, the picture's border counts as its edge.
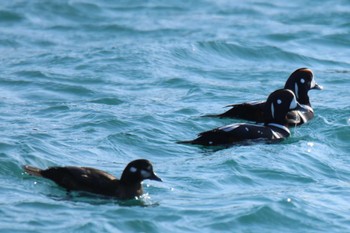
(296, 89)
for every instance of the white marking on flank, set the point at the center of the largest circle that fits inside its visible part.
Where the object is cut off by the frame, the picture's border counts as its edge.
(246, 129)
(228, 128)
(302, 116)
(279, 126)
(276, 136)
(272, 111)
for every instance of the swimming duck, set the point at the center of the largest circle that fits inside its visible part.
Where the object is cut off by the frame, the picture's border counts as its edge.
(276, 108)
(300, 82)
(99, 182)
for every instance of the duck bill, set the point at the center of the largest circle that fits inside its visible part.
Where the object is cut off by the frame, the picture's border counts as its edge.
(155, 177)
(317, 87)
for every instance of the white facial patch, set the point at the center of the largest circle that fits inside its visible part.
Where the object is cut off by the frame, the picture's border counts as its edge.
(302, 80)
(313, 83)
(272, 111)
(145, 174)
(279, 101)
(293, 104)
(296, 90)
(133, 169)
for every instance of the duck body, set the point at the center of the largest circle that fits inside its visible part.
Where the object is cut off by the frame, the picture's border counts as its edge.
(237, 133)
(99, 182)
(255, 112)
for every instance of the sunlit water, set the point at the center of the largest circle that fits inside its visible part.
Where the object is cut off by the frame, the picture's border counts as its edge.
(100, 83)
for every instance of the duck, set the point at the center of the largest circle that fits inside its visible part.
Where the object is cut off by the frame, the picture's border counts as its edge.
(300, 82)
(275, 126)
(95, 181)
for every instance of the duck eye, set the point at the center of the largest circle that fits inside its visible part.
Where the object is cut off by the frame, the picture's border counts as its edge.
(279, 101)
(302, 80)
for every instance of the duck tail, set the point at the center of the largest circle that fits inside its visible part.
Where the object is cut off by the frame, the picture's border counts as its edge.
(34, 171)
(185, 142)
(213, 115)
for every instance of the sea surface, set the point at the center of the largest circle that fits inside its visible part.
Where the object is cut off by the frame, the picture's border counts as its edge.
(101, 83)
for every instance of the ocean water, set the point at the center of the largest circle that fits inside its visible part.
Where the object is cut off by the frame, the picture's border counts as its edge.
(101, 83)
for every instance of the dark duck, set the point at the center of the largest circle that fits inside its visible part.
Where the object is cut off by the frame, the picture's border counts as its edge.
(276, 108)
(99, 182)
(300, 82)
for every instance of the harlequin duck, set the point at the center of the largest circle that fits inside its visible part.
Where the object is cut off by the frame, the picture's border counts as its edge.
(99, 182)
(300, 82)
(274, 128)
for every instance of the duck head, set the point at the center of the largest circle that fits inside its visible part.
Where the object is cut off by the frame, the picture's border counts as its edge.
(278, 104)
(137, 171)
(300, 82)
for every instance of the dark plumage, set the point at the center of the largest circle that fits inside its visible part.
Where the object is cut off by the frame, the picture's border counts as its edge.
(300, 82)
(99, 182)
(278, 104)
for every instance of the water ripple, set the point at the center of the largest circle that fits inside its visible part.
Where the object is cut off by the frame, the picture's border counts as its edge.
(98, 84)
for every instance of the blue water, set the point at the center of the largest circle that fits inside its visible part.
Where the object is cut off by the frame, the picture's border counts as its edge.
(100, 83)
